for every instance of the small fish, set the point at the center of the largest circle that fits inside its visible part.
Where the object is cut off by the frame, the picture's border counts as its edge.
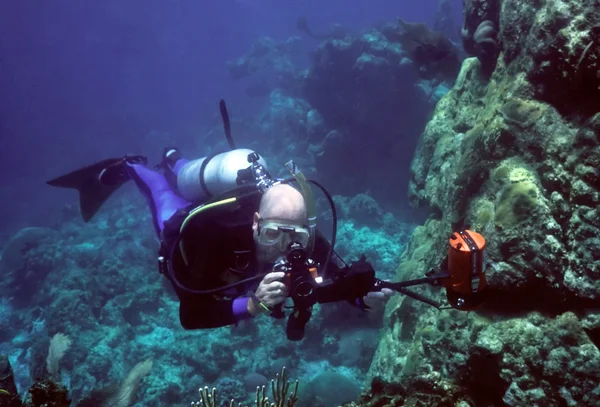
(2, 391)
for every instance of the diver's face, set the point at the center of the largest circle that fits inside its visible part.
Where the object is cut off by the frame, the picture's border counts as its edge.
(272, 238)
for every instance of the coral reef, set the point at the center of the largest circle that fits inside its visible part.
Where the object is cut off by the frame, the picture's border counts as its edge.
(270, 61)
(25, 262)
(511, 151)
(479, 31)
(280, 391)
(319, 392)
(47, 393)
(422, 393)
(47, 390)
(557, 45)
(434, 55)
(43, 392)
(346, 78)
(101, 288)
(265, 52)
(9, 395)
(510, 155)
(329, 110)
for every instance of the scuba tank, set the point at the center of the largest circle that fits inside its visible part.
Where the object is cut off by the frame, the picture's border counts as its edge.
(201, 179)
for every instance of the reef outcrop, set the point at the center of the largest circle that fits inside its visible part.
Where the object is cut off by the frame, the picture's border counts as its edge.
(513, 153)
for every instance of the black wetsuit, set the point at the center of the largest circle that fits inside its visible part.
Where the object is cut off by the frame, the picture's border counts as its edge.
(220, 249)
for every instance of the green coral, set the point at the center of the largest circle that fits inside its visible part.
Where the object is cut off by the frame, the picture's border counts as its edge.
(279, 390)
(517, 203)
(484, 217)
(427, 333)
(501, 173)
(521, 112)
(413, 359)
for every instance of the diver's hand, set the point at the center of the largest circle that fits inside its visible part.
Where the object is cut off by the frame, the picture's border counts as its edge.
(270, 292)
(376, 299)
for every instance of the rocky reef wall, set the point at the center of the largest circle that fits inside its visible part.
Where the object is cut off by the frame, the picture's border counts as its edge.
(512, 152)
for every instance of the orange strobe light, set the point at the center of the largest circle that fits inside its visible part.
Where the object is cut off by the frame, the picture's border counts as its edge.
(466, 266)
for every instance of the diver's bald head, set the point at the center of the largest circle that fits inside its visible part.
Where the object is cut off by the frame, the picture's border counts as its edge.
(283, 202)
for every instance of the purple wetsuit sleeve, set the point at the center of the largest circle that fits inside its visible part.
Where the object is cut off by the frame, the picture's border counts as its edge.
(163, 201)
(240, 308)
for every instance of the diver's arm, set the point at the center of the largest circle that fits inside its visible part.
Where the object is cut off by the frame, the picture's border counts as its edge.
(195, 313)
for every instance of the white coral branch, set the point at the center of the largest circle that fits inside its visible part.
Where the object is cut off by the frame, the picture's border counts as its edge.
(59, 344)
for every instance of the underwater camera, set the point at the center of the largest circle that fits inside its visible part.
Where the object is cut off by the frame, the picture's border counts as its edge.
(462, 274)
(301, 278)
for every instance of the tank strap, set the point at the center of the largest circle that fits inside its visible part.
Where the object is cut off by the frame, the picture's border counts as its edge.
(202, 169)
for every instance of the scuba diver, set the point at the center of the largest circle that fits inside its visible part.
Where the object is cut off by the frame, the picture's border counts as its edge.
(236, 242)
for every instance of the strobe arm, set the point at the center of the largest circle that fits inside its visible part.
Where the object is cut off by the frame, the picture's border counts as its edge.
(360, 279)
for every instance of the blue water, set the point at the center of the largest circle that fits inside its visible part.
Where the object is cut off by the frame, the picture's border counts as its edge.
(82, 81)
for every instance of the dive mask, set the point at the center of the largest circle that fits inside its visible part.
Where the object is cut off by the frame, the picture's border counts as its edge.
(279, 234)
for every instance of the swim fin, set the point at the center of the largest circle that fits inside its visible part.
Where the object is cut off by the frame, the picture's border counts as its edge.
(97, 182)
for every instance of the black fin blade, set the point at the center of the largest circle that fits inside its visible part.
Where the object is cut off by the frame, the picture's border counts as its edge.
(92, 194)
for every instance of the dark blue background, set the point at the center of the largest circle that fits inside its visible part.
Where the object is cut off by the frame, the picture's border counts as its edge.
(85, 80)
